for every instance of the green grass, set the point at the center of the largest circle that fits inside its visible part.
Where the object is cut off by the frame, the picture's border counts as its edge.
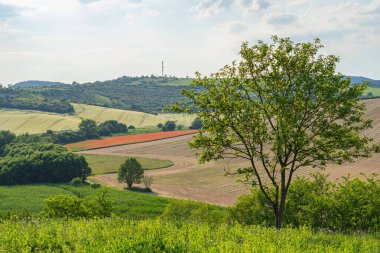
(375, 91)
(102, 164)
(138, 131)
(155, 235)
(31, 197)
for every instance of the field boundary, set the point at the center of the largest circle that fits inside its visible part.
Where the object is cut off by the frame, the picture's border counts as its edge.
(118, 145)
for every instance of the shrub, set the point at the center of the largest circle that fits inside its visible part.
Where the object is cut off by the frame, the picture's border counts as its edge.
(95, 185)
(352, 204)
(74, 207)
(169, 126)
(194, 211)
(76, 182)
(148, 180)
(196, 124)
(252, 209)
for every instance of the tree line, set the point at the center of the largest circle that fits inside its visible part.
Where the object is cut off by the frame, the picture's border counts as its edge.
(37, 162)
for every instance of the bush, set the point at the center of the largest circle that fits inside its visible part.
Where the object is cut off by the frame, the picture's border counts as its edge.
(76, 182)
(352, 204)
(194, 211)
(196, 124)
(169, 126)
(95, 185)
(148, 180)
(252, 209)
(74, 207)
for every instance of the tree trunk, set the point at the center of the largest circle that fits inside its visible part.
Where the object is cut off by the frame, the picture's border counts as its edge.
(280, 212)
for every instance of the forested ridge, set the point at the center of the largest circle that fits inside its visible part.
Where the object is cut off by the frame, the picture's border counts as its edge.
(146, 94)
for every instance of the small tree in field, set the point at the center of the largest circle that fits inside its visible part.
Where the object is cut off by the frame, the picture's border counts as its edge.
(130, 172)
(283, 108)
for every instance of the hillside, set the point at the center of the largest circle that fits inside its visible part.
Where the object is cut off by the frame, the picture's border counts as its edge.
(25, 121)
(144, 94)
(359, 79)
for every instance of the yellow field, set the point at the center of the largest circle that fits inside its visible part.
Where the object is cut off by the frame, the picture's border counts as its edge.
(137, 119)
(23, 121)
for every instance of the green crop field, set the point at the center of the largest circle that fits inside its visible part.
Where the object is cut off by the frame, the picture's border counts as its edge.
(25, 121)
(155, 235)
(103, 164)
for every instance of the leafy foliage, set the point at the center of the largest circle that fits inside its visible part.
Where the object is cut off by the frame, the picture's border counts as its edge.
(146, 94)
(74, 207)
(30, 100)
(6, 137)
(169, 126)
(196, 124)
(283, 107)
(40, 162)
(126, 235)
(349, 205)
(87, 128)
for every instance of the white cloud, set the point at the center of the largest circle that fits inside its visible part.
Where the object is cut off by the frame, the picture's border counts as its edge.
(212, 7)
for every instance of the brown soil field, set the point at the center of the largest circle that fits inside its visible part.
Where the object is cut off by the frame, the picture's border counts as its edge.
(207, 182)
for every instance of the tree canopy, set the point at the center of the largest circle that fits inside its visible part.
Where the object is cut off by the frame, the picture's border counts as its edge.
(130, 172)
(283, 107)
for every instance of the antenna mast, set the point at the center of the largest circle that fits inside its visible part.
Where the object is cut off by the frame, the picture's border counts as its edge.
(162, 69)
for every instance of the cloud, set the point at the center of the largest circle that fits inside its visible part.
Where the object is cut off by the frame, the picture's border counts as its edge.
(281, 18)
(213, 7)
(253, 5)
(234, 27)
(7, 11)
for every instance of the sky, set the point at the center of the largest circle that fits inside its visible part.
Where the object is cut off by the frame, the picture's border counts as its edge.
(96, 40)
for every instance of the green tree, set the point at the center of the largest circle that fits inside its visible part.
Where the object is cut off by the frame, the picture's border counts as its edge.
(130, 172)
(88, 128)
(169, 126)
(283, 108)
(196, 124)
(6, 137)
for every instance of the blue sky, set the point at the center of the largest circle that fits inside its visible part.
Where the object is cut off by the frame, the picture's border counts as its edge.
(89, 40)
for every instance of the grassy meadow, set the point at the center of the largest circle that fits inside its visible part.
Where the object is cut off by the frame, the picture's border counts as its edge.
(31, 197)
(103, 164)
(155, 235)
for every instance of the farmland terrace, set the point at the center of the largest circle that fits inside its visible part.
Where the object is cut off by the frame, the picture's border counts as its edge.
(207, 182)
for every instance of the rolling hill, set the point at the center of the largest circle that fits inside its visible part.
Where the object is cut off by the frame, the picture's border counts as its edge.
(26, 121)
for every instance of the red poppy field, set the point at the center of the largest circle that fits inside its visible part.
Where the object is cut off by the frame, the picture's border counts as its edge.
(127, 139)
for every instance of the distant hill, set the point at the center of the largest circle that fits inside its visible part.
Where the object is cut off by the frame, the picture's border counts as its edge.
(360, 79)
(36, 83)
(149, 94)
